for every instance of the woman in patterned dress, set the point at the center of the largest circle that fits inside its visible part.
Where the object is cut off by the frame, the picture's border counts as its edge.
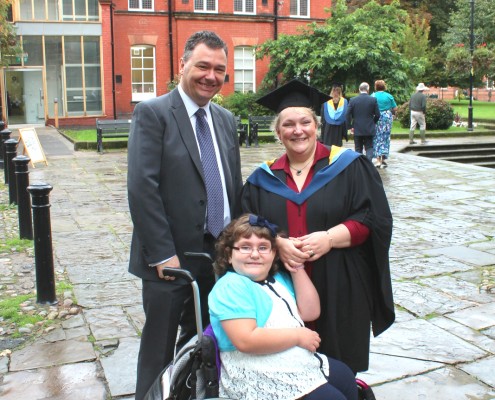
(388, 107)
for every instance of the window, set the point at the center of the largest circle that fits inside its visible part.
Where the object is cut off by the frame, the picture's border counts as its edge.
(82, 75)
(244, 69)
(80, 10)
(141, 5)
(244, 6)
(205, 5)
(299, 8)
(143, 72)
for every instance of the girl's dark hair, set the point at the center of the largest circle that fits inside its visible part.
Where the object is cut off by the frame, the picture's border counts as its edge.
(237, 229)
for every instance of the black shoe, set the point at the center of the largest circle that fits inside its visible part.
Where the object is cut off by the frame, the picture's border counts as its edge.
(412, 142)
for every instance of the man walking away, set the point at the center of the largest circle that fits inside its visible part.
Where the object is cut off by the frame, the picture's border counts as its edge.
(362, 115)
(417, 105)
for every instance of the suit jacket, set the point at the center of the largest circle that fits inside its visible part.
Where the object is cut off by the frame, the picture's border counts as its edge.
(166, 188)
(363, 114)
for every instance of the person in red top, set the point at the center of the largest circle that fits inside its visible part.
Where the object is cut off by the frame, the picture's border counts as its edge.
(332, 203)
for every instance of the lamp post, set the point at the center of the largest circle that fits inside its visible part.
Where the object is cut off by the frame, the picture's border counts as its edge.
(471, 73)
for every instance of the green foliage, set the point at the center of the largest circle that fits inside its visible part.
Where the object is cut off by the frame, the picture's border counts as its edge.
(9, 310)
(244, 104)
(458, 65)
(350, 48)
(9, 47)
(439, 114)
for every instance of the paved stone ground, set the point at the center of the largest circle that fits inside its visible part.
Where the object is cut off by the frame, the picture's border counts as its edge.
(442, 258)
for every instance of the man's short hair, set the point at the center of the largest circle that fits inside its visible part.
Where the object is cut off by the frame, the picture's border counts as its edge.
(209, 38)
(364, 87)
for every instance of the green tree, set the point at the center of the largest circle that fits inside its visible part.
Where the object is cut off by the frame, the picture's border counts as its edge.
(8, 40)
(350, 47)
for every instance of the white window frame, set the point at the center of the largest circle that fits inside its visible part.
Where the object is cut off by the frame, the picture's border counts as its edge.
(140, 7)
(298, 5)
(140, 96)
(245, 4)
(241, 69)
(204, 6)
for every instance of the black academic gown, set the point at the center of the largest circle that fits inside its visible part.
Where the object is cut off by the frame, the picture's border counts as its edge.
(354, 284)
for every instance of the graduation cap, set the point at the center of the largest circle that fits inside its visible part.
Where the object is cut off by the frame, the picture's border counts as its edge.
(294, 94)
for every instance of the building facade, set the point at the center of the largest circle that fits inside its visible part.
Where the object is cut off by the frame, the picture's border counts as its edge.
(88, 59)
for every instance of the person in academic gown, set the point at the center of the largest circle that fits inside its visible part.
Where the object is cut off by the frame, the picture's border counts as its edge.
(332, 203)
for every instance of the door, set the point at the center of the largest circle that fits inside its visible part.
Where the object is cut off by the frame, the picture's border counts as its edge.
(25, 99)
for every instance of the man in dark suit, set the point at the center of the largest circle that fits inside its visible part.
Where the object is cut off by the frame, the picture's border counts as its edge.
(362, 115)
(167, 190)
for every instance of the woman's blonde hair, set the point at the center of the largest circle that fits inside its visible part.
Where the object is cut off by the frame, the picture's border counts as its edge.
(243, 227)
(276, 122)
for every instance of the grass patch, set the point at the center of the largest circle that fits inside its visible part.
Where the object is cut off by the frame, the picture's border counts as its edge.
(481, 109)
(9, 310)
(15, 245)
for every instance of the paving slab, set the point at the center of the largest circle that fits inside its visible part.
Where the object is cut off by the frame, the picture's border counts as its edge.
(384, 368)
(40, 355)
(446, 383)
(109, 294)
(120, 367)
(463, 253)
(480, 317)
(75, 382)
(482, 370)
(109, 323)
(422, 340)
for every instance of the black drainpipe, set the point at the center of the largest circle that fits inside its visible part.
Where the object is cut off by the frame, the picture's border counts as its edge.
(275, 11)
(113, 62)
(170, 40)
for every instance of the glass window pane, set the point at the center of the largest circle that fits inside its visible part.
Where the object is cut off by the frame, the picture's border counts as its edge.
(238, 5)
(39, 10)
(80, 10)
(148, 4)
(147, 88)
(73, 50)
(26, 11)
(198, 4)
(133, 3)
(93, 101)
(250, 6)
(148, 63)
(148, 52)
(73, 77)
(91, 50)
(33, 50)
(93, 10)
(148, 76)
(92, 77)
(52, 10)
(137, 88)
(54, 83)
(137, 76)
(211, 5)
(137, 63)
(67, 10)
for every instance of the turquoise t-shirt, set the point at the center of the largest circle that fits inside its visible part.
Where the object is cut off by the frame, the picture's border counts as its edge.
(236, 296)
(385, 101)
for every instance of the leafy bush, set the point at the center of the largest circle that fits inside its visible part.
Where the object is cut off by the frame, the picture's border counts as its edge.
(244, 104)
(439, 114)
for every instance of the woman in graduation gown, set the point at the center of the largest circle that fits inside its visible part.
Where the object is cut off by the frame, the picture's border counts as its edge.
(333, 118)
(332, 203)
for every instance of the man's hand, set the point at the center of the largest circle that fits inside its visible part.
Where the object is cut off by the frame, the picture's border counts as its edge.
(172, 263)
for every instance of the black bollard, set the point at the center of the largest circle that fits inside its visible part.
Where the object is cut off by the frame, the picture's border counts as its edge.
(23, 199)
(4, 136)
(11, 152)
(2, 127)
(43, 253)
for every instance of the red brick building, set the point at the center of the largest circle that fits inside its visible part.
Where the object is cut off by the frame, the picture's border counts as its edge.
(158, 34)
(97, 58)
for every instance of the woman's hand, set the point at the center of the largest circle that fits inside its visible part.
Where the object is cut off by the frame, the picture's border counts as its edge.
(291, 254)
(316, 244)
(308, 339)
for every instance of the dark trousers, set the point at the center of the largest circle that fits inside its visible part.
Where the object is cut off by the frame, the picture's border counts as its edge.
(341, 384)
(367, 143)
(168, 305)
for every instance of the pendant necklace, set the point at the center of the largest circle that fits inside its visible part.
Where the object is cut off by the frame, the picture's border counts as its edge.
(299, 171)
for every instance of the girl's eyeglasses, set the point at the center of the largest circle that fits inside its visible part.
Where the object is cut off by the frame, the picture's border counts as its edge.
(263, 249)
